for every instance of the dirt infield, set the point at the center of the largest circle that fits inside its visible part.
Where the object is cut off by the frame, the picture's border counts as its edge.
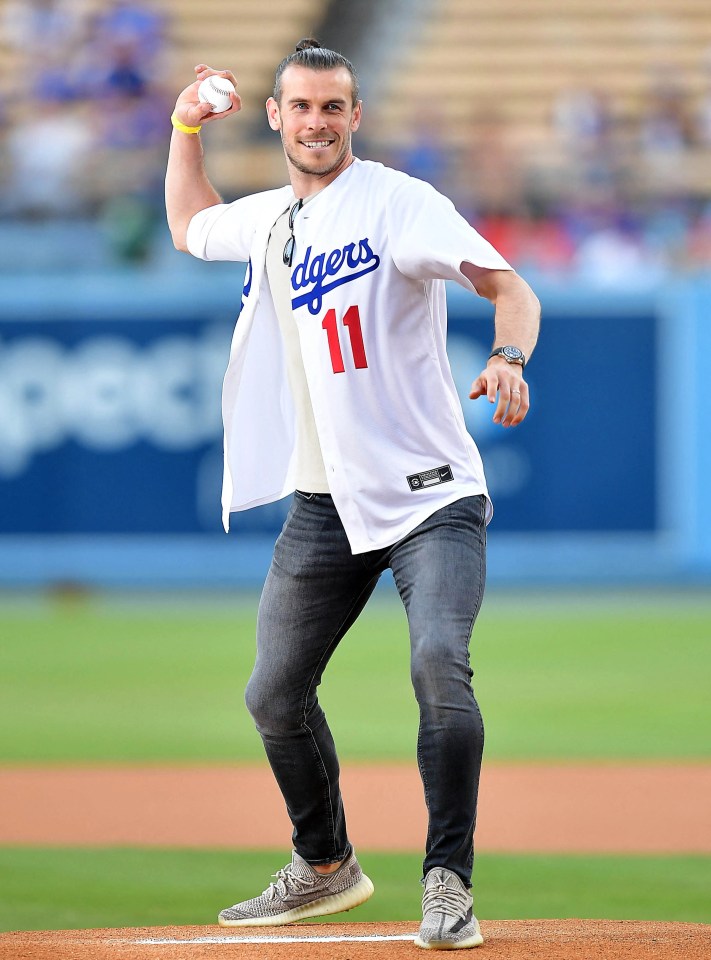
(504, 940)
(602, 807)
(537, 808)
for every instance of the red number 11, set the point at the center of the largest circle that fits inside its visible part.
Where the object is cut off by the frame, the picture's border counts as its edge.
(351, 320)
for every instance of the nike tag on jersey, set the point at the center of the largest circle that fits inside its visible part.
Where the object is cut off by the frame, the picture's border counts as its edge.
(430, 477)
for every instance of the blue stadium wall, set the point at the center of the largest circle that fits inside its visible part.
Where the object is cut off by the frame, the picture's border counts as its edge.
(110, 436)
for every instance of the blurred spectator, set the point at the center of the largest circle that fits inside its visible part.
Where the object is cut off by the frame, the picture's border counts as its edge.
(128, 24)
(131, 149)
(130, 120)
(490, 175)
(124, 50)
(35, 26)
(46, 35)
(128, 41)
(125, 74)
(665, 231)
(49, 153)
(613, 256)
(666, 125)
(666, 133)
(581, 119)
(531, 242)
(587, 135)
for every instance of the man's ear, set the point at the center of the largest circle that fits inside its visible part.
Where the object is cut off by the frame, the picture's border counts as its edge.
(273, 114)
(357, 116)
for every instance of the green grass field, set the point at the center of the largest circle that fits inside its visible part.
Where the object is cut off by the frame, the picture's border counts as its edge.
(577, 677)
(578, 680)
(45, 889)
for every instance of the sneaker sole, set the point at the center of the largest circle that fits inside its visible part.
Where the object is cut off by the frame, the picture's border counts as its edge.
(475, 941)
(335, 903)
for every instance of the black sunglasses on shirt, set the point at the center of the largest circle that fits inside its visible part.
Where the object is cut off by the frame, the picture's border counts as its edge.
(288, 254)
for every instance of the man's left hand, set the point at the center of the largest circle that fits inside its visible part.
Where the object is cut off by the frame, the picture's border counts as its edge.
(506, 380)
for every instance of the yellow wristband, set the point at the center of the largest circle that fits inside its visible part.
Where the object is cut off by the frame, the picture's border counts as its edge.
(182, 127)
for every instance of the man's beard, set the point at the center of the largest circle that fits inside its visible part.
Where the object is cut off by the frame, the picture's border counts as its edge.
(303, 168)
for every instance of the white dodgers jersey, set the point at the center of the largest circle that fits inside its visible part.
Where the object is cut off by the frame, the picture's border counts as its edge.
(368, 298)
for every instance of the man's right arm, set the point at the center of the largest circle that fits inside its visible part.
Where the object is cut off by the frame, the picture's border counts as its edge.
(187, 188)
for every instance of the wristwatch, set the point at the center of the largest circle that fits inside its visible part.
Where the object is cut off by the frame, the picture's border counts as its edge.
(510, 355)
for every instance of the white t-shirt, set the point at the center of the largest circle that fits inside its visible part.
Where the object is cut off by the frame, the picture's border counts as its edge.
(372, 251)
(309, 472)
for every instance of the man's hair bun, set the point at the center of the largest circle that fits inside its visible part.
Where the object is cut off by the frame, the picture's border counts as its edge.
(308, 43)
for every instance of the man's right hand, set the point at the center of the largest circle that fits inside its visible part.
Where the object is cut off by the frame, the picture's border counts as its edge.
(193, 112)
(187, 187)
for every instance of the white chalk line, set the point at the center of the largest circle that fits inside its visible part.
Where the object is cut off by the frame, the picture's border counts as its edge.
(344, 939)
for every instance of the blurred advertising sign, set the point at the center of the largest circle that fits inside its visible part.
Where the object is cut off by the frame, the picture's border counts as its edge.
(110, 426)
(114, 426)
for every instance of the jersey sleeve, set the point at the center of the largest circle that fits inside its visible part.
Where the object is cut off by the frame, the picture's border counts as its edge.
(225, 230)
(430, 240)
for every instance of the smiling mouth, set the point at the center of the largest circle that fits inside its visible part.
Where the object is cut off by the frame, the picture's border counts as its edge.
(317, 144)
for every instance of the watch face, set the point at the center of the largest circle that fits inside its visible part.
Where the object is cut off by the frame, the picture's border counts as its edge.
(512, 353)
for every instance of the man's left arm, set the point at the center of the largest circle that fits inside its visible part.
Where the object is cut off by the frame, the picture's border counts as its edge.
(516, 323)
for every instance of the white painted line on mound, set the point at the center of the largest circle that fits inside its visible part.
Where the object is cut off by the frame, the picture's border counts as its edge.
(345, 939)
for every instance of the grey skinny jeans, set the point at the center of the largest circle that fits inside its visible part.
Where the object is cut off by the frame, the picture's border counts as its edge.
(315, 590)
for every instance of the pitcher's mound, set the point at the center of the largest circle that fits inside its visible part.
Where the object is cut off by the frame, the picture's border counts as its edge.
(504, 940)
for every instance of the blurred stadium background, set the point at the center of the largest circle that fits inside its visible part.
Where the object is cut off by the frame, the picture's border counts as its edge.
(577, 138)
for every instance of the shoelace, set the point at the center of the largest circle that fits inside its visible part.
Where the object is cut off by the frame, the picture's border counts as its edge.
(443, 899)
(287, 883)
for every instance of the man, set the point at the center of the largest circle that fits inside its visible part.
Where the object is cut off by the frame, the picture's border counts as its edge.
(338, 390)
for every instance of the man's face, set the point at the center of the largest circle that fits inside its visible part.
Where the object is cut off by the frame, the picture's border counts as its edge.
(316, 118)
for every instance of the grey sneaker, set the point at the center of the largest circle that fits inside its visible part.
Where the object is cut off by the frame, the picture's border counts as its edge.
(300, 892)
(447, 919)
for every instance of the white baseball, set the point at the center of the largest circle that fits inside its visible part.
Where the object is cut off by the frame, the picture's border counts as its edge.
(216, 91)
